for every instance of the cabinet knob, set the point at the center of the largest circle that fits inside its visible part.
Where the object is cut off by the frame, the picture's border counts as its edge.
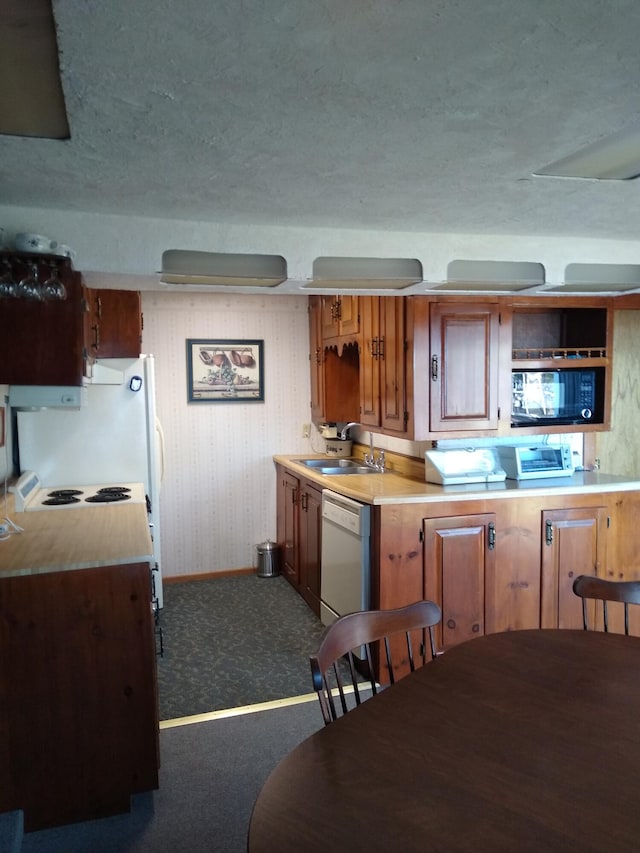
(434, 368)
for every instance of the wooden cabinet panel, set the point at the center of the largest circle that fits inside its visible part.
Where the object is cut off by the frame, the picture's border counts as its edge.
(464, 366)
(42, 342)
(574, 544)
(393, 372)
(457, 552)
(115, 323)
(370, 361)
(382, 363)
(78, 691)
(340, 316)
(310, 545)
(316, 359)
(299, 526)
(291, 534)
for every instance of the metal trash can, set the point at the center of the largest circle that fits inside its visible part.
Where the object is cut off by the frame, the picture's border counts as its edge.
(268, 559)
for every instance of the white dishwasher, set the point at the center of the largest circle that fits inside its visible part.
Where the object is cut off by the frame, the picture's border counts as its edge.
(345, 557)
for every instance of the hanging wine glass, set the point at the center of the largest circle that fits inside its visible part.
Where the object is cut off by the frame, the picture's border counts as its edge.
(53, 288)
(8, 287)
(29, 286)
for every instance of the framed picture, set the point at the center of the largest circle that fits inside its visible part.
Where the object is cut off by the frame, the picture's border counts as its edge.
(225, 371)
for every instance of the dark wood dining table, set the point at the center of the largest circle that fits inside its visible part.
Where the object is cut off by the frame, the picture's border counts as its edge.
(522, 741)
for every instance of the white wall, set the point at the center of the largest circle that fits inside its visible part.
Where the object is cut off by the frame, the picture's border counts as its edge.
(219, 492)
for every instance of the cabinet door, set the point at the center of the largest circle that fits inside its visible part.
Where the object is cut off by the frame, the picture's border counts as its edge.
(370, 361)
(115, 321)
(310, 542)
(393, 374)
(464, 366)
(349, 315)
(458, 552)
(316, 359)
(42, 342)
(288, 535)
(573, 544)
(339, 316)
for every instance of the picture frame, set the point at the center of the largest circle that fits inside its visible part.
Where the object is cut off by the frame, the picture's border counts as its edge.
(2, 425)
(227, 370)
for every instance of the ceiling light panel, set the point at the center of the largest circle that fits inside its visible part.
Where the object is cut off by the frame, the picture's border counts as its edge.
(338, 273)
(180, 266)
(491, 276)
(599, 278)
(617, 158)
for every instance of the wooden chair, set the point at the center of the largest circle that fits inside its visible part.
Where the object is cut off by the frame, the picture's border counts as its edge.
(357, 632)
(625, 592)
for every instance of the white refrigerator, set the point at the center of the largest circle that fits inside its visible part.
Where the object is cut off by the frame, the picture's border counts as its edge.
(114, 437)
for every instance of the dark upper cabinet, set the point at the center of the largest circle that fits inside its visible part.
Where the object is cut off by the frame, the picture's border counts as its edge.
(42, 341)
(115, 323)
(52, 341)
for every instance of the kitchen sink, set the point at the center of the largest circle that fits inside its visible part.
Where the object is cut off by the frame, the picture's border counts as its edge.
(338, 466)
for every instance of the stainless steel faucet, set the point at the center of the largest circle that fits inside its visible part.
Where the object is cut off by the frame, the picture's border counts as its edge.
(345, 429)
(373, 460)
(370, 459)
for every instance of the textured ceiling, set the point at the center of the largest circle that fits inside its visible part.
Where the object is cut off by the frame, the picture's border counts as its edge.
(408, 115)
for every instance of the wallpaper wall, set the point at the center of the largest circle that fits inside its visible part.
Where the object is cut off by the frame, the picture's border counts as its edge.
(218, 494)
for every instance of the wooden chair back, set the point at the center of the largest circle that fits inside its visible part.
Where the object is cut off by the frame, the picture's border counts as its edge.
(334, 666)
(625, 592)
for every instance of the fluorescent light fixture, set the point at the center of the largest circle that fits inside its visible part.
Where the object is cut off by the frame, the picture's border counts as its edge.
(614, 158)
(181, 266)
(336, 273)
(599, 278)
(491, 276)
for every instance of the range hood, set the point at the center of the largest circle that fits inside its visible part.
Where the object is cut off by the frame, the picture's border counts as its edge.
(33, 397)
(180, 266)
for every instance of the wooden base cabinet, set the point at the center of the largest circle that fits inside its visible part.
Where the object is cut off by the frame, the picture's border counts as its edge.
(299, 525)
(78, 693)
(310, 542)
(574, 544)
(504, 564)
(459, 552)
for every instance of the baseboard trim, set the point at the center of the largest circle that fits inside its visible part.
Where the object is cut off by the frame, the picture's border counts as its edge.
(203, 576)
(239, 711)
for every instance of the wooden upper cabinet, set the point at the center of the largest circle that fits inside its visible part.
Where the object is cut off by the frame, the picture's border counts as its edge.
(463, 368)
(42, 341)
(115, 323)
(370, 361)
(383, 363)
(340, 316)
(316, 359)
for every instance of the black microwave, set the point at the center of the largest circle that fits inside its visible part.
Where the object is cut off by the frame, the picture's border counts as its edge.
(556, 397)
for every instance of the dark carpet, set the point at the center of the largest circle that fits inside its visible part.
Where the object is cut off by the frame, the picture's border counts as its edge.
(210, 776)
(233, 641)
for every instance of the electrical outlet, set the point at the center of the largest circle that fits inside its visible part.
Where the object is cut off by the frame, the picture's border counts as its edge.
(306, 430)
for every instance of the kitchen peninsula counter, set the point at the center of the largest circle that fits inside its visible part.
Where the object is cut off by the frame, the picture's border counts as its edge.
(494, 556)
(78, 686)
(396, 488)
(64, 540)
